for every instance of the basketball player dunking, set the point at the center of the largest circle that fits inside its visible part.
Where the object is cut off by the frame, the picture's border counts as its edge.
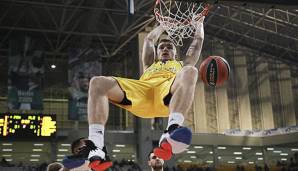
(166, 89)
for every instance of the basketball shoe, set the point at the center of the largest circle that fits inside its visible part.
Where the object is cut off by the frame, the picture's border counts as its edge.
(99, 159)
(173, 141)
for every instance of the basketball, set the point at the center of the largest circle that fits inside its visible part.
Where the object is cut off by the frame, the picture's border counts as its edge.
(214, 71)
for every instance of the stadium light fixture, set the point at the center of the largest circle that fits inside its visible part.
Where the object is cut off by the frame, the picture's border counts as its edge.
(237, 153)
(276, 151)
(36, 149)
(34, 160)
(35, 155)
(7, 149)
(53, 66)
(120, 145)
(63, 150)
(60, 155)
(6, 155)
(246, 148)
(221, 148)
(6, 144)
(191, 152)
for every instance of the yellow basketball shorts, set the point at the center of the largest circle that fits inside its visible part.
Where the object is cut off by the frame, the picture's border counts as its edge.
(147, 97)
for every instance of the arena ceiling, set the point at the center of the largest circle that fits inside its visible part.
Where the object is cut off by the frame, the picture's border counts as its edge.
(270, 26)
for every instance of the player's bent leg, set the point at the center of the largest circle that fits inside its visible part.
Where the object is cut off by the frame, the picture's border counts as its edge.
(177, 138)
(100, 91)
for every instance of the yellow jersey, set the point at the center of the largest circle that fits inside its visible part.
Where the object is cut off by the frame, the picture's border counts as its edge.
(162, 69)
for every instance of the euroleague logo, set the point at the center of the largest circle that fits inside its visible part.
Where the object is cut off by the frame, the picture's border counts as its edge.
(212, 70)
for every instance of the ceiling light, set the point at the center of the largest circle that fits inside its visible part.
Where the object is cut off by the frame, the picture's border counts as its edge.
(36, 149)
(65, 145)
(113, 155)
(133, 155)
(187, 161)
(231, 162)
(211, 152)
(251, 162)
(35, 155)
(238, 158)
(270, 149)
(294, 149)
(53, 66)
(116, 151)
(276, 151)
(260, 158)
(219, 157)
(120, 145)
(59, 160)
(221, 148)
(63, 150)
(6, 155)
(237, 153)
(283, 154)
(38, 144)
(34, 160)
(60, 155)
(6, 144)
(191, 152)
(209, 161)
(193, 157)
(246, 148)
(259, 154)
(283, 159)
(9, 160)
(6, 149)
(198, 147)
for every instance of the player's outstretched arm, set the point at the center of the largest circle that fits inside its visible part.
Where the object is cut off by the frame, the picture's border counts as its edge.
(195, 48)
(148, 54)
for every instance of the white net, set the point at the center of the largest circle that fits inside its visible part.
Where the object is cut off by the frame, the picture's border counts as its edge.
(179, 18)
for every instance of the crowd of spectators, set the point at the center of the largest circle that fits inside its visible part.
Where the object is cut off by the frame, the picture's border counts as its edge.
(124, 165)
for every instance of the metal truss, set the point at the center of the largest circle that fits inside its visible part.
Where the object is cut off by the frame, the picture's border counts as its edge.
(75, 23)
(269, 30)
(107, 26)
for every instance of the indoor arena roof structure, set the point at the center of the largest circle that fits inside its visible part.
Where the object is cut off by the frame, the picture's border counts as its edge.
(264, 26)
(269, 26)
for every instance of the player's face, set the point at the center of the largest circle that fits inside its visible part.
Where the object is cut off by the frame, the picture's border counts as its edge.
(84, 84)
(166, 51)
(155, 162)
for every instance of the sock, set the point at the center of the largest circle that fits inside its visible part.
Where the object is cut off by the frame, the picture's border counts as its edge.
(175, 118)
(96, 134)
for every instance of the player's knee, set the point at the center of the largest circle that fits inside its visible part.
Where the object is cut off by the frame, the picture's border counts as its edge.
(97, 82)
(190, 74)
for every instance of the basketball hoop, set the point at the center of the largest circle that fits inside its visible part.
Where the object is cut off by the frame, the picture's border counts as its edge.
(179, 18)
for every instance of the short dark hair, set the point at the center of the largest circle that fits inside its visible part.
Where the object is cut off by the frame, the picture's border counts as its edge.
(149, 155)
(164, 40)
(75, 144)
(54, 166)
